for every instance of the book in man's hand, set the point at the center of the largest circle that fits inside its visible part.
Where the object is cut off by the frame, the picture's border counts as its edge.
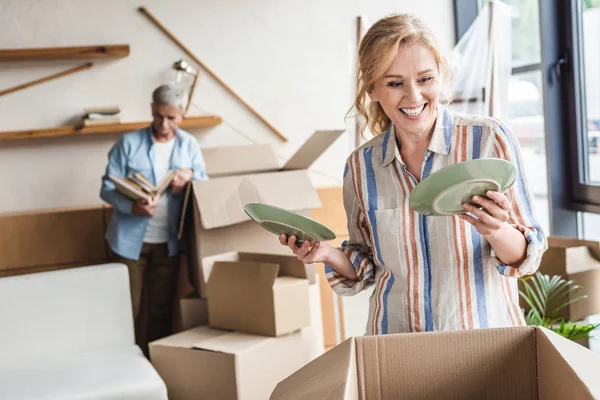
(136, 186)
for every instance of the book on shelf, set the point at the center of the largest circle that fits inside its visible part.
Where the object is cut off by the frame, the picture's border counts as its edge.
(136, 186)
(96, 116)
(111, 110)
(93, 116)
(101, 121)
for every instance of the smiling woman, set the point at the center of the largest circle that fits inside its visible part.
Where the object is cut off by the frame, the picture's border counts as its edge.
(429, 272)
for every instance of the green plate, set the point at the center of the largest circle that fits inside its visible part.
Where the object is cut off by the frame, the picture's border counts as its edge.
(278, 220)
(446, 190)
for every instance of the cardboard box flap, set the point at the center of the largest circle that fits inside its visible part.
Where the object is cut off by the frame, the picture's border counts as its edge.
(232, 343)
(566, 242)
(581, 259)
(590, 286)
(426, 365)
(188, 338)
(221, 201)
(288, 265)
(235, 160)
(286, 282)
(312, 149)
(566, 367)
(330, 376)
(239, 293)
(251, 273)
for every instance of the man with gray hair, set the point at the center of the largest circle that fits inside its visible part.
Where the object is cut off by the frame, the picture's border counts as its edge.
(144, 235)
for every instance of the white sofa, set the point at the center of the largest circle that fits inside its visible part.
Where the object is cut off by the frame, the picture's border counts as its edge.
(69, 335)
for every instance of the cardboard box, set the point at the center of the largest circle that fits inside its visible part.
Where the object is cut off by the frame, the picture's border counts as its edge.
(205, 363)
(281, 255)
(506, 363)
(579, 261)
(260, 294)
(216, 221)
(194, 312)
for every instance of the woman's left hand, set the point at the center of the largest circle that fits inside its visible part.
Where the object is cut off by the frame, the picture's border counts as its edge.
(491, 217)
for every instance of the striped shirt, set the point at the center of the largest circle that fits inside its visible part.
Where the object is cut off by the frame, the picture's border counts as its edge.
(432, 273)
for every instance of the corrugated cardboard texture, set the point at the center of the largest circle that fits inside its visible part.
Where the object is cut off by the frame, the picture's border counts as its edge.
(448, 365)
(289, 265)
(505, 363)
(247, 236)
(331, 376)
(52, 238)
(262, 367)
(195, 374)
(253, 297)
(241, 297)
(590, 286)
(221, 201)
(205, 363)
(193, 311)
(579, 261)
(565, 242)
(564, 366)
(236, 160)
(312, 149)
(244, 237)
(291, 304)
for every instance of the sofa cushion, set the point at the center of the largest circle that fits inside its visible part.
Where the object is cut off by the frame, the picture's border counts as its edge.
(102, 375)
(79, 309)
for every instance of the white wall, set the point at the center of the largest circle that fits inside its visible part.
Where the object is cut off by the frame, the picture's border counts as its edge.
(292, 60)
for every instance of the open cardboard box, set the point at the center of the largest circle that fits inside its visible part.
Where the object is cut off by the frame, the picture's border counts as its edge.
(504, 363)
(289, 263)
(579, 261)
(216, 221)
(259, 293)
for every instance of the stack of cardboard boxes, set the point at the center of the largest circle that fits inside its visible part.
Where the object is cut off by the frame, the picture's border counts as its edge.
(255, 316)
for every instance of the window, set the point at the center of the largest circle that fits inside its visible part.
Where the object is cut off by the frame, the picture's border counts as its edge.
(589, 37)
(560, 75)
(526, 102)
(591, 226)
(582, 82)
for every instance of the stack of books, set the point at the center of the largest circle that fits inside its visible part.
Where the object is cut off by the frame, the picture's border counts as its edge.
(136, 186)
(101, 116)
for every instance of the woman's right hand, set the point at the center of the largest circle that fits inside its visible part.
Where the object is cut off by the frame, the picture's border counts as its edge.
(308, 252)
(320, 252)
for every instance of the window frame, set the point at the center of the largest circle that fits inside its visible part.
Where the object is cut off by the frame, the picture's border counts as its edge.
(559, 113)
(586, 197)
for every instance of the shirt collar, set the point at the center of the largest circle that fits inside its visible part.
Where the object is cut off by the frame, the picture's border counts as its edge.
(390, 148)
(151, 133)
(440, 139)
(442, 132)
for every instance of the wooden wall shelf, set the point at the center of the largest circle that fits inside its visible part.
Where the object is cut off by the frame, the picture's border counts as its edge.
(191, 122)
(65, 53)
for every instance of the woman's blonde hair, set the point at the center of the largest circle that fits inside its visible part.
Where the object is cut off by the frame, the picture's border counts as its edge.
(376, 53)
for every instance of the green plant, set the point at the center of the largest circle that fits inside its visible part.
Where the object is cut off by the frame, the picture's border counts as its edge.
(546, 297)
